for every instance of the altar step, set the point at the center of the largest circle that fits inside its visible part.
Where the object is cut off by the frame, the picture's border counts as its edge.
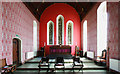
(68, 66)
(61, 69)
(37, 60)
(32, 65)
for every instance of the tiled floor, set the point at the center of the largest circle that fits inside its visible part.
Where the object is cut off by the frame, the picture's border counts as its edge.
(32, 66)
(67, 65)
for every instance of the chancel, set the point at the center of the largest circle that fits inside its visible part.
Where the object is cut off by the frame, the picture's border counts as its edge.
(54, 37)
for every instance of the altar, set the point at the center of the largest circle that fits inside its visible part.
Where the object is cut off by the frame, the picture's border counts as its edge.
(63, 49)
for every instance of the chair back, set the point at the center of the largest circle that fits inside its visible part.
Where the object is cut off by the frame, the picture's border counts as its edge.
(3, 62)
(104, 53)
(76, 59)
(45, 59)
(59, 60)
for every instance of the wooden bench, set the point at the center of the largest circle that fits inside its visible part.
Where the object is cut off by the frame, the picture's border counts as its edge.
(6, 68)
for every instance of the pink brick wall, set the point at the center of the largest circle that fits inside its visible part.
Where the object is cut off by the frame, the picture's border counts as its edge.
(0, 30)
(91, 18)
(16, 20)
(119, 29)
(113, 30)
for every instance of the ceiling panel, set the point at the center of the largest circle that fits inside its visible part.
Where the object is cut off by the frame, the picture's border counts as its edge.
(37, 8)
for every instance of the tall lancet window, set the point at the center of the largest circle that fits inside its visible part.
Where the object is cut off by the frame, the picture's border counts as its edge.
(69, 33)
(60, 29)
(101, 28)
(50, 33)
(34, 35)
(85, 36)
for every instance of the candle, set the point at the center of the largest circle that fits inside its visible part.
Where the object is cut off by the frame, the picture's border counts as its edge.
(76, 43)
(44, 43)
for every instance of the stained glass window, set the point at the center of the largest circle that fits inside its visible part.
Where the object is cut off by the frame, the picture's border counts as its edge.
(60, 29)
(50, 33)
(69, 33)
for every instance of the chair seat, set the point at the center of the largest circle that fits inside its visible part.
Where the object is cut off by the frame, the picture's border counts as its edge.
(59, 67)
(3, 71)
(6, 67)
(43, 64)
(59, 64)
(100, 60)
(78, 64)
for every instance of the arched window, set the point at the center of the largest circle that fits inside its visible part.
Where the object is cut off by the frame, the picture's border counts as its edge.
(35, 35)
(50, 33)
(60, 29)
(101, 28)
(85, 36)
(69, 33)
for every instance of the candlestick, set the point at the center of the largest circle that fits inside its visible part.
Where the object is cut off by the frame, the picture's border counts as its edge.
(76, 43)
(44, 44)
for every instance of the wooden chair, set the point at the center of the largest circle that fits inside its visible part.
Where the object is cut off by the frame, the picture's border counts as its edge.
(101, 60)
(6, 68)
(59, 63)
(77, 63)
(44, 62)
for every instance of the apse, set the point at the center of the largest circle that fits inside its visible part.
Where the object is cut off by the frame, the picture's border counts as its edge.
(60, 14)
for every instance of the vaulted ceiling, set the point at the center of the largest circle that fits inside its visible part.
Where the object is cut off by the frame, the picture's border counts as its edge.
(37, 8)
